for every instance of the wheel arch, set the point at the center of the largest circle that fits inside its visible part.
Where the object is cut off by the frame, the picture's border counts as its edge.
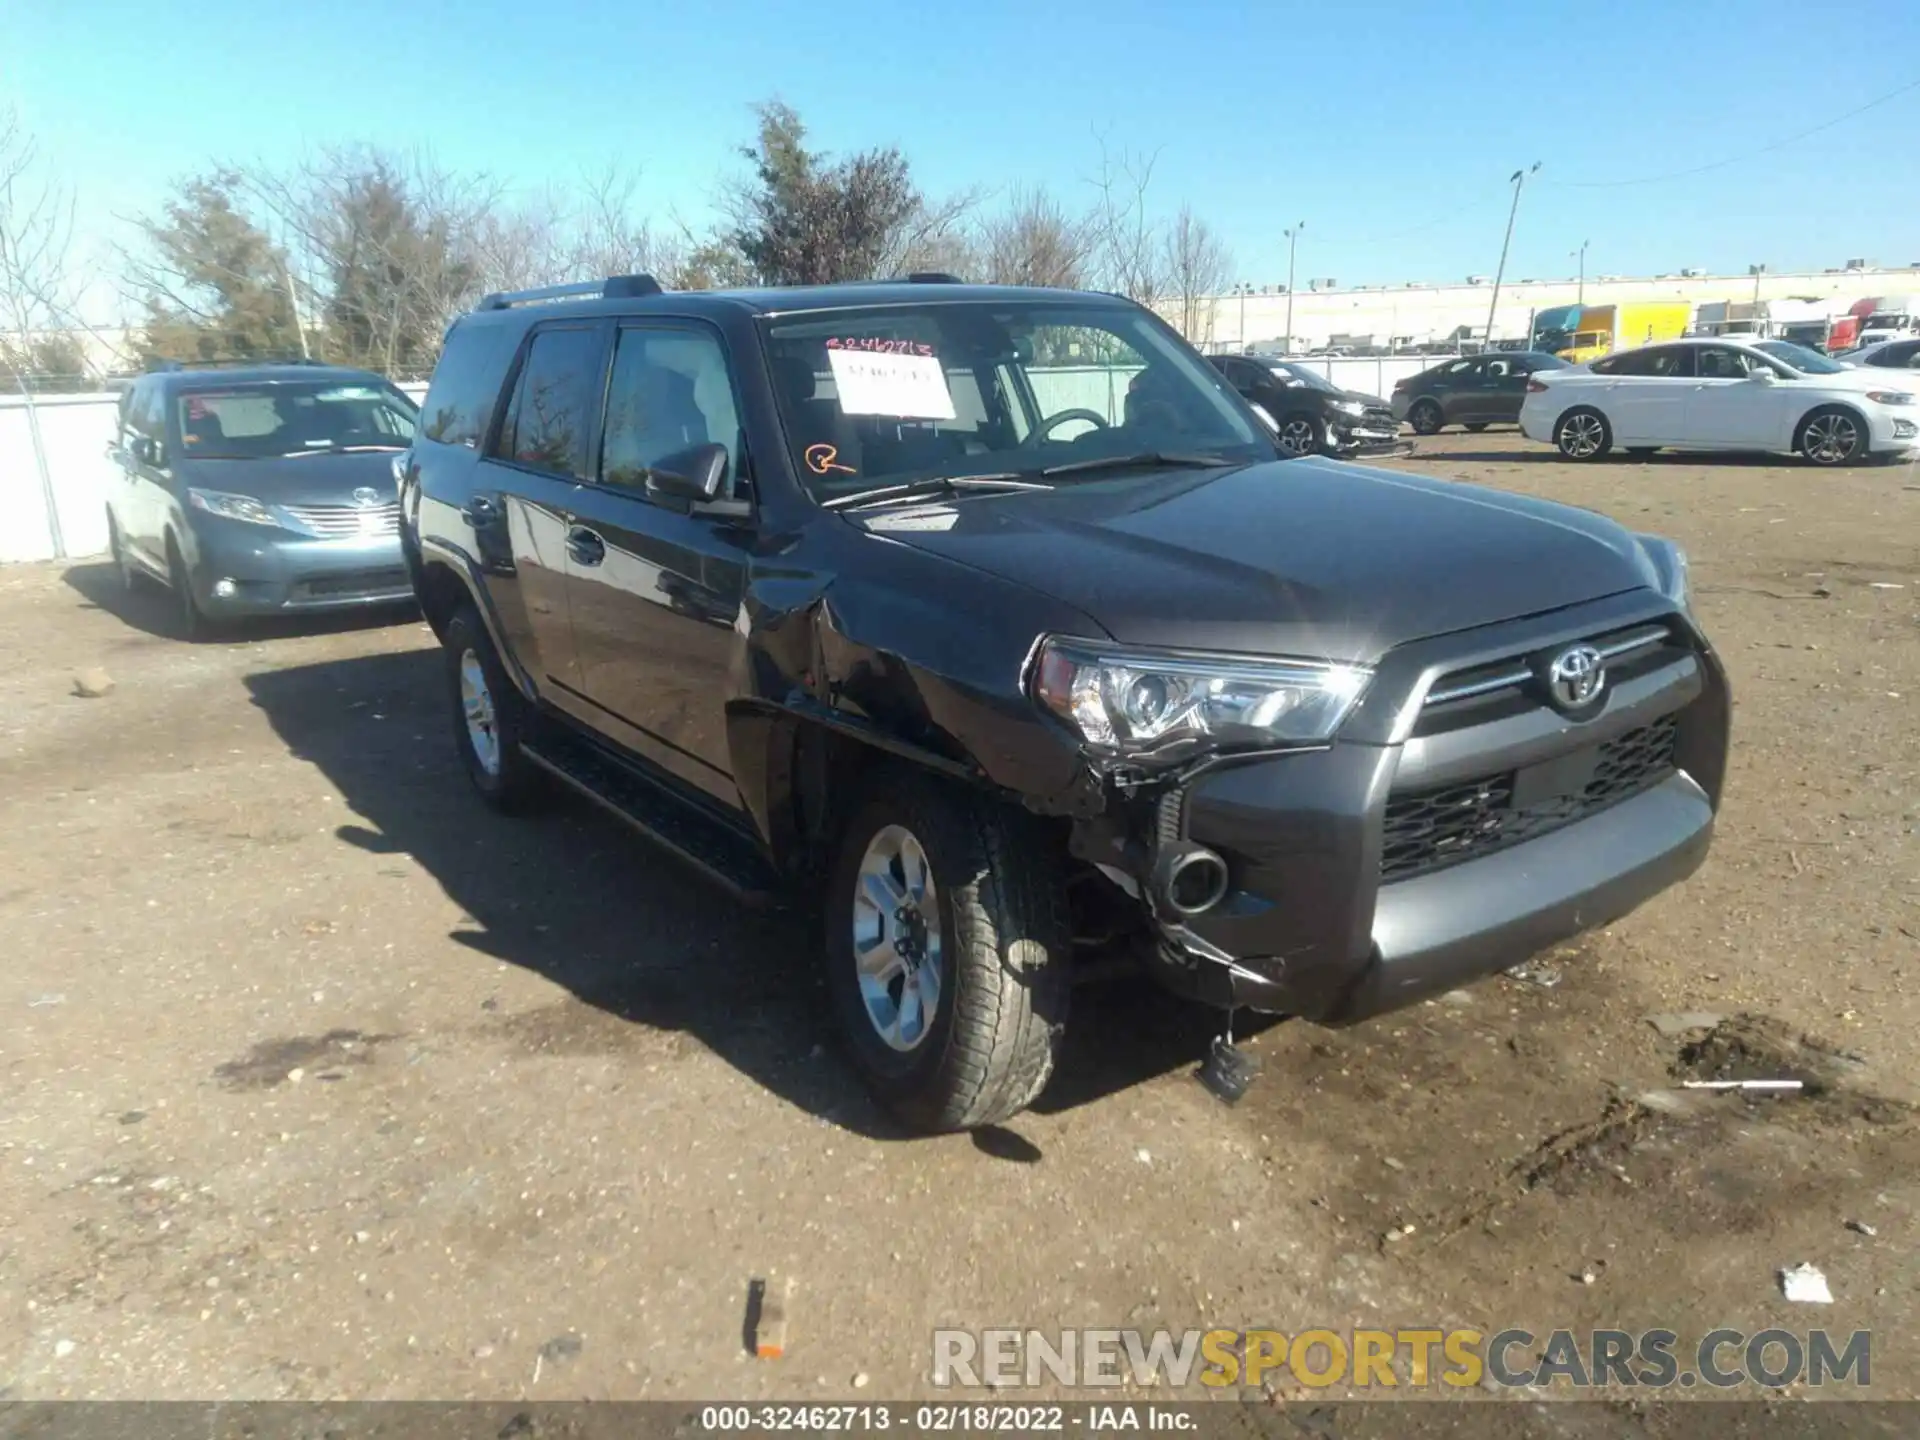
(1854, 412)
(443, 581)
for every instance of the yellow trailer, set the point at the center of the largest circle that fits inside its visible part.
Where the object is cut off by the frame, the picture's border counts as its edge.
(1606, 328)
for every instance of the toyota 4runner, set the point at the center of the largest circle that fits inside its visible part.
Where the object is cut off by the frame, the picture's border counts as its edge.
(991, 621)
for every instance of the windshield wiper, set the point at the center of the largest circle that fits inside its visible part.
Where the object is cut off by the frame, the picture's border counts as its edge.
(935, 485)
(1144, 457)
(339, 450)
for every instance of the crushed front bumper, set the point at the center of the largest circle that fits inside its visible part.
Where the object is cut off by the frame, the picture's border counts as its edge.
(1533, 829)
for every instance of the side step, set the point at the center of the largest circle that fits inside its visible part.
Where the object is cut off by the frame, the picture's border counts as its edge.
(729, 859)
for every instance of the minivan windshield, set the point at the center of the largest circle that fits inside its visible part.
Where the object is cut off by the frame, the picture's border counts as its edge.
(279, 418)
(878, 397)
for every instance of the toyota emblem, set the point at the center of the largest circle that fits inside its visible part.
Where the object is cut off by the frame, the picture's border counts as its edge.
(366, 497)
(1576, 677)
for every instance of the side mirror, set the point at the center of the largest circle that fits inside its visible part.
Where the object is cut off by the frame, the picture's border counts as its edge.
(1762, 374)
(147, 450)
(689, 477)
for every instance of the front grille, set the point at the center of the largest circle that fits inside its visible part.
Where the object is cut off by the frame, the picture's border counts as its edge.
(347, 522)
(1496, 688)
(389, 581)
(1428, 830)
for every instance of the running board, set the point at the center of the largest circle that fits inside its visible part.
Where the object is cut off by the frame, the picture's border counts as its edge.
(731, 861)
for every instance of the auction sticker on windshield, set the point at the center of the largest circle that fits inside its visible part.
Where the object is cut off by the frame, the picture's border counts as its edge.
(906, 387)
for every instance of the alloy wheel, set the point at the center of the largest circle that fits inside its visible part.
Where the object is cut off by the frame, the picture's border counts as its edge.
(898, 945)
(476, 702)
(1581, 436)
(1298, 436)
(1831, 439)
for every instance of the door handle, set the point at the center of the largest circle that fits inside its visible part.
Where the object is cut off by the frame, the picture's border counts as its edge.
(480, 511)
(585, 547)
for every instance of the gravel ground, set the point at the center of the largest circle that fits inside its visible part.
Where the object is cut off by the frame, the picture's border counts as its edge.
(320, 1081)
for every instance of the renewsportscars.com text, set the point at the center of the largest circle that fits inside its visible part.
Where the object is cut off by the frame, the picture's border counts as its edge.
(1411, 1358)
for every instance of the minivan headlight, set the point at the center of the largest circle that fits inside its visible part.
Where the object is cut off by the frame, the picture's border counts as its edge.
(232, 507)
(1670, 565)
(1133, 702)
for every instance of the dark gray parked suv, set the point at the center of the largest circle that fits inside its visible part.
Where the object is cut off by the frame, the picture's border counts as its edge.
(885, 597)
(260, 489)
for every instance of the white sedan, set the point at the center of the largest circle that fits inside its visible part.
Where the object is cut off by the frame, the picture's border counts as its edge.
(1724, 395)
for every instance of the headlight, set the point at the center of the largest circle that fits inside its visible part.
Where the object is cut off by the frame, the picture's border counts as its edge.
(1670, 564)
(1129, 702)
(1890, 397)
(232, 507)
(1350, 407)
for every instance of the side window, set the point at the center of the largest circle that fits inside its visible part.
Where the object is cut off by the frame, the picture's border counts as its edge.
(670, 390)
(1499, 369)
(1458, 370)
(1720, 364)
(466, 383)
(551, 416)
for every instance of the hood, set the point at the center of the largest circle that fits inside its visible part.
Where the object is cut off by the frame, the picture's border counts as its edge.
(320, 479)
(1305, 557)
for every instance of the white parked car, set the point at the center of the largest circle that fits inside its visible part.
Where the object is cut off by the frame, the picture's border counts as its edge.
(1721, 394)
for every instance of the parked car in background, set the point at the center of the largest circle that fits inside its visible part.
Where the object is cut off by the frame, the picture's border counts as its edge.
(1891, 317)
(836, 591)
(1475, 391)
(1312, 415)
(1887, 355)
(1724, 395)
(260, 489)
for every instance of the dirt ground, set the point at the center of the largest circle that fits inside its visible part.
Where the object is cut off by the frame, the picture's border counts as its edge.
(317, 1080)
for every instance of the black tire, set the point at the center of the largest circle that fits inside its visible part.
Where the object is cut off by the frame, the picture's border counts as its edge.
(1831, 436)
(511, 784)
(1477, 426)
(1005, 945)
(1301, 434)
(1583, 434)
(1425, 418)
(190, 622)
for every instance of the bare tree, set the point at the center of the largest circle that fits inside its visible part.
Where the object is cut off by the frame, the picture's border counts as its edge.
(1196, 266)
(1034, 241)
(38, 292)
(1128, 256)
(934, 236)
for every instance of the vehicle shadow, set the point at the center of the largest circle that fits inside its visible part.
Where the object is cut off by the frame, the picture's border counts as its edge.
(148, 606)
(571, 894)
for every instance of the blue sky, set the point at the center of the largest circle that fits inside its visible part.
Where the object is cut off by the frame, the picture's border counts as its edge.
(1390, 127)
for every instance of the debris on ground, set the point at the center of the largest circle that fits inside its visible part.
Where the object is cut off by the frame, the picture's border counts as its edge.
(1759, 1047)
(1672, 1027)
(1806, 1285)
(860, 1380)
(1742, 1084)
(767, 1317)
(92, 683)
(1536, 972)
(1860, 1227)
(62, 1349)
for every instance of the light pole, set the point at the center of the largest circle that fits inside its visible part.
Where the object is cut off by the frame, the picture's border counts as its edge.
(1293, 244)
(1581, 298)
(1518, 180)
(1241, 290)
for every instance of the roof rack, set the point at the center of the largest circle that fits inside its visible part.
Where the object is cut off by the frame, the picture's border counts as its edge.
(614, 287)
(257, 362)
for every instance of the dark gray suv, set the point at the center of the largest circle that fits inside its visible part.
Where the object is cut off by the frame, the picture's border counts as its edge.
(986, 623)
(260, 489)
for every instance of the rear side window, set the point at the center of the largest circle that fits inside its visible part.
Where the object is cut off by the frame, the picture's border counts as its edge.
(466, 384)
(1668, 361)
(550, 419)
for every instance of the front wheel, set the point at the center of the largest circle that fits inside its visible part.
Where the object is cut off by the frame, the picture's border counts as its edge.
(1833, 436)
(1300, 435)
(1426, 418)
(947, 950)
(1583, 434)
(190, 622)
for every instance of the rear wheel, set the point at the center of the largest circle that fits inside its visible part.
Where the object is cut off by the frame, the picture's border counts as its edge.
(1582, 434)
(1425, 417)
(947, 949)
(1832, 436)
(1300, 434)
(490, 718)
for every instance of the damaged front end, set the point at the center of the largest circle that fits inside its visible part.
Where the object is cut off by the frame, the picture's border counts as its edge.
(1148, 725)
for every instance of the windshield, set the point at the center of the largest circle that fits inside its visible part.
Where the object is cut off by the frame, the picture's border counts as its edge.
(277, 418)
(873, 397)
(1807, 362)
(1305, 376)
